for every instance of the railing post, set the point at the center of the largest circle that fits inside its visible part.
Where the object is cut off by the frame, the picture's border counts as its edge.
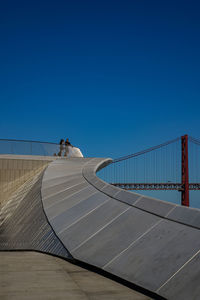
(184, 171)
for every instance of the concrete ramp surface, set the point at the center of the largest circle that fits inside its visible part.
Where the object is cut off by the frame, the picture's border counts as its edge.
(63, 208)
(151, 243)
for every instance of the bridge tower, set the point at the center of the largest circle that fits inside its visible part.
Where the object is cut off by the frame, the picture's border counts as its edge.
(184, 171)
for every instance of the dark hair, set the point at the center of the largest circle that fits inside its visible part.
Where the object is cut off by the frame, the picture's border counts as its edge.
(61, 141)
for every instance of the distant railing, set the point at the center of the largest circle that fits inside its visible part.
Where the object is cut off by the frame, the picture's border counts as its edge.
(24, 147)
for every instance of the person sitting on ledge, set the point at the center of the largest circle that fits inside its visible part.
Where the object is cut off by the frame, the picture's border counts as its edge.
(62, 147)
(67, 145)
(71, 151)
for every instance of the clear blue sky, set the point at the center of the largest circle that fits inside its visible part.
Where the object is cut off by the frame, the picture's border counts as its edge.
(113, 76)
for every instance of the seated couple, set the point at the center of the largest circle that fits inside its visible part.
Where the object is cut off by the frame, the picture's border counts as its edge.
(68, 150)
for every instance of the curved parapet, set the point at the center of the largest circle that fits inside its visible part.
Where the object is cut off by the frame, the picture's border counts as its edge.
(151, 243)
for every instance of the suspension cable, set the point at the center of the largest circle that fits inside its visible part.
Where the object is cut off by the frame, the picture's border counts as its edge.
(194, 140)
(145, 151)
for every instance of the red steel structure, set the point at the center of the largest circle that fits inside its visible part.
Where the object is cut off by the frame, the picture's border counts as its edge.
(183, 187)
(185, 171)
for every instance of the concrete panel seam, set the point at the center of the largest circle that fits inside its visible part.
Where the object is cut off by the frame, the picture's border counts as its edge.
(54, 194)
(177, 271)
(170, 211)
(75, 205)
(113, 196)
(98, 189)
(142, 209)
(116, 193)
(137, 201)
(88, 162)
(151, 212)
(88, 213)
(105, 266)
(100, 229)
(38, 236)
(67, 197)
(132, 205)
(94, 169)
(98, 163)
(182, 223)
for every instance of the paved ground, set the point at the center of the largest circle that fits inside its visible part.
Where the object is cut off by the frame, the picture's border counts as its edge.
(32, 275)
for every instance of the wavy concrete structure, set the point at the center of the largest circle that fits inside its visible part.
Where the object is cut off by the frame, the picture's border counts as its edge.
(150, 243)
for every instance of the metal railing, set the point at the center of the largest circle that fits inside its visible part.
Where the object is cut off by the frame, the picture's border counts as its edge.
(24, 147)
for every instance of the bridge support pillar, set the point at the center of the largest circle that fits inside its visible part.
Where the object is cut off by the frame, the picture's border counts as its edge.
(184, 171)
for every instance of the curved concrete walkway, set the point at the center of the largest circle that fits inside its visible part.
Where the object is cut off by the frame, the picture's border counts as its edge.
(151, 243)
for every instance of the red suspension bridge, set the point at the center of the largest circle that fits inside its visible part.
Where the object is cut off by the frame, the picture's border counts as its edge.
(163, 167)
